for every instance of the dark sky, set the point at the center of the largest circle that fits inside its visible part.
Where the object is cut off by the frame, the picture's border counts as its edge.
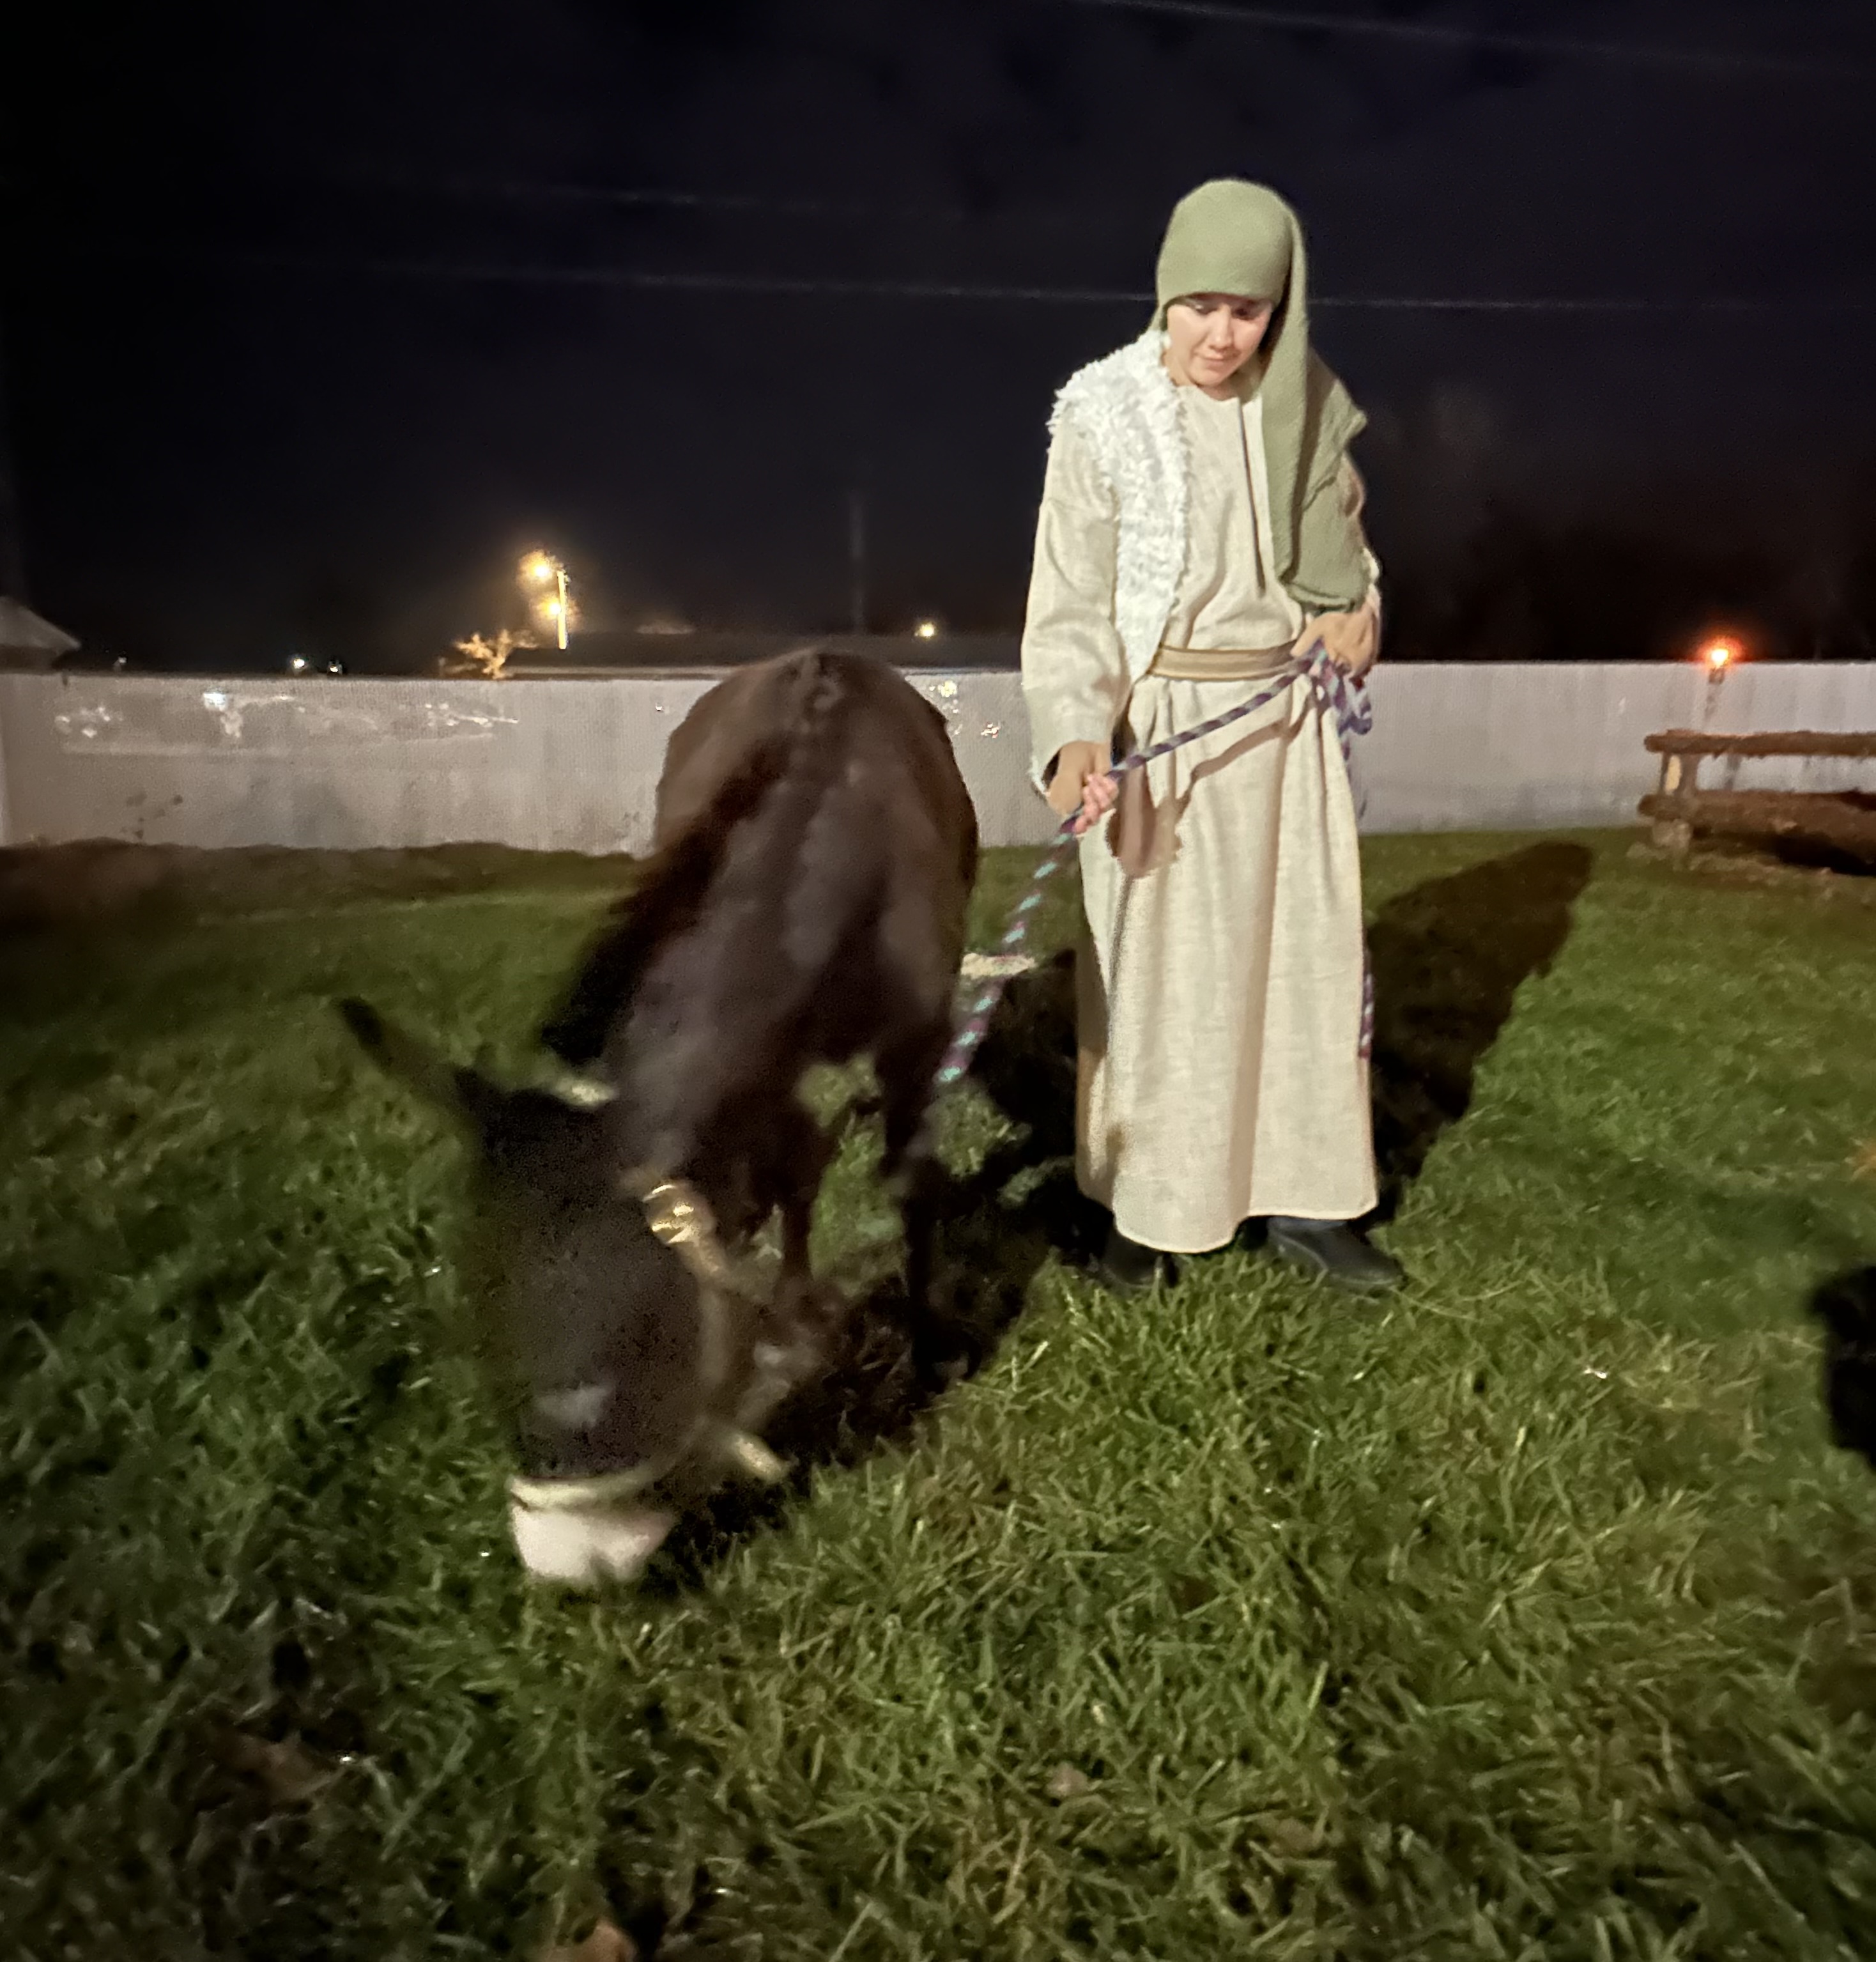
(259, 400)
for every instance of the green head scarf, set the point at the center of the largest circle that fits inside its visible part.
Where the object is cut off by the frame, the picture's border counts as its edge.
(1231, 237)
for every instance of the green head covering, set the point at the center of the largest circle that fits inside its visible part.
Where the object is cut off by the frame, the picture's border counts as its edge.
(1231, 237)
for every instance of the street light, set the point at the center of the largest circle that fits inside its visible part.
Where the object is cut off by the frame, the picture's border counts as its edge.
(1717, 656)
(543, 576)
(925, 630)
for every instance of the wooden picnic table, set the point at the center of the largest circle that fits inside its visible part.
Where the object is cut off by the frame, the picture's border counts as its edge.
(1840, 820)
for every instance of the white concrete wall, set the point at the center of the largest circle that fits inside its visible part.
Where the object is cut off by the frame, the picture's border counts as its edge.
(572, 765)
(1526, 747)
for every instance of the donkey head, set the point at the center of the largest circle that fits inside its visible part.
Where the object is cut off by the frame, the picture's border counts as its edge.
(599, 1329)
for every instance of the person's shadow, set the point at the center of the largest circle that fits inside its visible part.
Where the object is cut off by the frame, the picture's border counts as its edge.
(1846, 1306)
(1448, 958)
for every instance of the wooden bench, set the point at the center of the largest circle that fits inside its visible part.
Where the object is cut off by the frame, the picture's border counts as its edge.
(1836, 820)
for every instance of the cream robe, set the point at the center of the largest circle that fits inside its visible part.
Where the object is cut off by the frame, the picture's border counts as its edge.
(1220, 984)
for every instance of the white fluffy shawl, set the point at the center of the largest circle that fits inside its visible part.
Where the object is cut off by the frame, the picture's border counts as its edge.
(1124, 408)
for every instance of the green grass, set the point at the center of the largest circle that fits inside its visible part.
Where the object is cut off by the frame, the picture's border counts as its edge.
(1528, 1615)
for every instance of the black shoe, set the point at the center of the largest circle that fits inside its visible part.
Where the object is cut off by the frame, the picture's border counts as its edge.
(1128, 1267)
(1334, 1250)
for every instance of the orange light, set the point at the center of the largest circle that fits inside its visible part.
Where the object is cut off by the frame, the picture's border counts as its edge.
(1719, 655)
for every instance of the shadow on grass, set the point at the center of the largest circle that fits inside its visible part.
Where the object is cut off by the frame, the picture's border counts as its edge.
(995, 1227)
(1849, 858)
(1846, 1306)
(1449, 959)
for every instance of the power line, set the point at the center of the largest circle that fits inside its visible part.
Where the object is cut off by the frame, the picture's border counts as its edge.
(782, 285)
(1594, 304)
(650, 199)
(1297, 19)
(782, 205)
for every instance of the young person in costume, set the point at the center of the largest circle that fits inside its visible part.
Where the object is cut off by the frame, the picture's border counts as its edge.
(1200, 527)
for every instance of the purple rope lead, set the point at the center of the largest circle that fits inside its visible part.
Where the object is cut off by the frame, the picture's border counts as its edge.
(1345, 700)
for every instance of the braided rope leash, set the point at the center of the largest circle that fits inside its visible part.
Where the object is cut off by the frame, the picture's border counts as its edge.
(1346, 700)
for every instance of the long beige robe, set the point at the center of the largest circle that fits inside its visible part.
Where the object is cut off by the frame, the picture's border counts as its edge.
(1221, 986)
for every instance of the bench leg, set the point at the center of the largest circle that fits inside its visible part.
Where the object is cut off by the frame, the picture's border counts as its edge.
(1674, 834)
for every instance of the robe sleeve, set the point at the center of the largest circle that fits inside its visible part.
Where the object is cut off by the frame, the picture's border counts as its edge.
(1074, 668)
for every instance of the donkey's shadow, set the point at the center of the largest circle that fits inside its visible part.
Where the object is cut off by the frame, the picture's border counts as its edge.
(994, 1228)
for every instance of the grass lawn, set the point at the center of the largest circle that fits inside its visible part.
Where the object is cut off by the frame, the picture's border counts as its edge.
(1530, 1614)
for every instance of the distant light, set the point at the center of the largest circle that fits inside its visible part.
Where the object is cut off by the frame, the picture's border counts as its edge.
(557, 614)
(543, 569)
(1719, 655)
(298, 665)
(927, 630)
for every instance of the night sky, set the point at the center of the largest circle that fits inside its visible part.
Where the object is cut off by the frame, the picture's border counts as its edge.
(316, 317)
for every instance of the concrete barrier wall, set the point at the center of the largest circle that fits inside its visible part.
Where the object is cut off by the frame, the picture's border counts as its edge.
(572, 765)
(1528, 746)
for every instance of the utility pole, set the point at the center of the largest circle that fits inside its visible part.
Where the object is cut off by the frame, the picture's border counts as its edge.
(12, 538)
(856, 553)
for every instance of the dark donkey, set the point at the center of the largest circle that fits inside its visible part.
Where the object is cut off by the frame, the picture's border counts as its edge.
(815, 849)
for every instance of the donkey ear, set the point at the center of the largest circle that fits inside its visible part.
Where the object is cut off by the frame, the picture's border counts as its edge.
(409, 1060)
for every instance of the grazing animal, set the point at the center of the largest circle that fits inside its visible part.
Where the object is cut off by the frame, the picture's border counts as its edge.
(814, 848)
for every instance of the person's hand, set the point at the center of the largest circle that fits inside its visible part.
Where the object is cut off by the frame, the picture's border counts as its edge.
(1351, 639)
(1080, 782)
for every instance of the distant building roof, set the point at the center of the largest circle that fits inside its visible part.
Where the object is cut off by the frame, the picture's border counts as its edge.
(627, 653)
(27, 641)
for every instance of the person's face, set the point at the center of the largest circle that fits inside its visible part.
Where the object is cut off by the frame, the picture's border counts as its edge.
(1211, 336)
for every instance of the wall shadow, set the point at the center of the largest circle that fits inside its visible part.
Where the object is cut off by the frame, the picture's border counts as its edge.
(1846, 1304)
(1449, 958)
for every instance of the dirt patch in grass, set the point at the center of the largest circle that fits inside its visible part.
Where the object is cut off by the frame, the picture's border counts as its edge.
(55, 885)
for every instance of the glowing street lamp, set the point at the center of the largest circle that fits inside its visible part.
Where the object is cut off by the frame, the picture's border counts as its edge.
(544, 577)
(1718, 654)
(925, 630)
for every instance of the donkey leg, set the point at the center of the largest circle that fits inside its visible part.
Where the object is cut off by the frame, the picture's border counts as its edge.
(910, 1161)
(799, 1154)
(801, 1319)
